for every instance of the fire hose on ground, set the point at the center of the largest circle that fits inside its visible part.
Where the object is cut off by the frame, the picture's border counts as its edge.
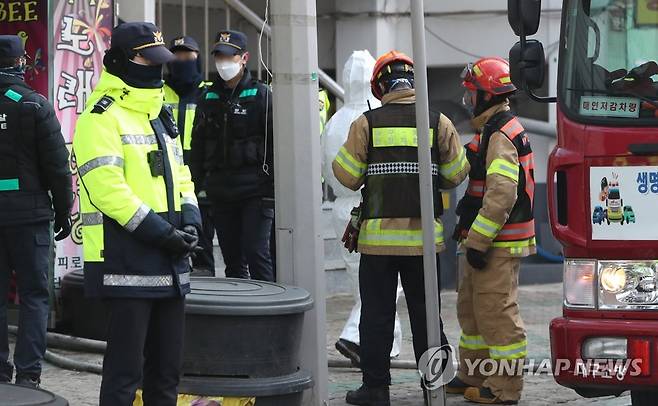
(84, 345)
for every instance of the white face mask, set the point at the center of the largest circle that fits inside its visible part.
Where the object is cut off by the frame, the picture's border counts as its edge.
(228, 69)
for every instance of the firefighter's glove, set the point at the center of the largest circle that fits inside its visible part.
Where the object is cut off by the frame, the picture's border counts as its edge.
(476, 259)
(351, 235)
(62, 226)
(350, 238)
(459, 233)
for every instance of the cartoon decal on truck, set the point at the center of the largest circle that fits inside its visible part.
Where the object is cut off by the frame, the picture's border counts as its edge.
(615, 211)
(629, 216)
(598, 216)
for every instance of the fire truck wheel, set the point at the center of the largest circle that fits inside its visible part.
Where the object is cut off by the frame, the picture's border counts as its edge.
(643, 398)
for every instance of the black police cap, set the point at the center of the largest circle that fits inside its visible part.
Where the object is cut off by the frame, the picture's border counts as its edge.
(142, 38)
(230, 43)
(185, 43)
(11, 46)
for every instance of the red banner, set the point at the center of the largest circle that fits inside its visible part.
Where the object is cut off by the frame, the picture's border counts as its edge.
(82, 30)
(29, 20)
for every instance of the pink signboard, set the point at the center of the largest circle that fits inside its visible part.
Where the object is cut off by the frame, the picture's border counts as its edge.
(82, 30)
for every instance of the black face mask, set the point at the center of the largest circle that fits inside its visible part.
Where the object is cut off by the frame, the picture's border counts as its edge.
(142, 76)
(484, 105)
(184, 75)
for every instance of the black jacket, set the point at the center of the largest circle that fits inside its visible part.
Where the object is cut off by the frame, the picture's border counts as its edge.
(34, 153)
(232, 144)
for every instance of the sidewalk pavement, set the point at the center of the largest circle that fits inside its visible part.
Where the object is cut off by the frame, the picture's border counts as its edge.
(539, 304)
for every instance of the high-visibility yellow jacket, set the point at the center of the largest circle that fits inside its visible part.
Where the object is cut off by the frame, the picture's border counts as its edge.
(399, 236)
(126, 211)
(184, 110)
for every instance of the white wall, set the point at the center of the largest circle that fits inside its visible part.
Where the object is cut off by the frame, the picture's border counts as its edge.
(137, 10)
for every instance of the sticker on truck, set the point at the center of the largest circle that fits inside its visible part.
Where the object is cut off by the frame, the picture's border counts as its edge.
(623, 201)
(610, 106)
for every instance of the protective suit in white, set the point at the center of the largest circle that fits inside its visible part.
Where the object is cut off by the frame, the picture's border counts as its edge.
(356, 82)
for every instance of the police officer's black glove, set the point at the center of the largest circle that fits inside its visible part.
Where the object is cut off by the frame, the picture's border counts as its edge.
(62, 226)
(476, 259)
(192, 237)
(176, 242)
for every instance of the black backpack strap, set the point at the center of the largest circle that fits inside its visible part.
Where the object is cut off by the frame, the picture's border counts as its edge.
(102, 105)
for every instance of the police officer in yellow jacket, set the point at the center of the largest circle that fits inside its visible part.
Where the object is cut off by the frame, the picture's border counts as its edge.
(381, 154)
(183, 87)
(140, 218)
(497, 229)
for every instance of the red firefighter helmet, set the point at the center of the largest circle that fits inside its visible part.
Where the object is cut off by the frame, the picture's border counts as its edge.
(385, 61)
(490, 75)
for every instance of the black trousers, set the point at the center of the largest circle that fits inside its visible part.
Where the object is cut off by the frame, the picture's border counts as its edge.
(205, 258)
(378, 281)
(144, 345)
(25, 249)
(244, 229)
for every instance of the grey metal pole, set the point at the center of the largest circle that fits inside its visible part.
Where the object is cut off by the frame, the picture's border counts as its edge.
(297, 169)
(437, 397)
(184, 16)
(228, 16)
(206, 40)
(160, 15)
(253, 18)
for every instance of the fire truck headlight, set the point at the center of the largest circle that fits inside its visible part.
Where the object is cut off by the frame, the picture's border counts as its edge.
(628, 284)
(613, 279)
(579, 276)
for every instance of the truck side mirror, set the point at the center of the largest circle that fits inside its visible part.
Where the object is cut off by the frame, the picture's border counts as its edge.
(527, 65)
(524, 16)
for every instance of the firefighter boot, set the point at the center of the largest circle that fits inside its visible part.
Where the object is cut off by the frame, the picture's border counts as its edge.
(457, 386)
(486, 397)
(365, 396)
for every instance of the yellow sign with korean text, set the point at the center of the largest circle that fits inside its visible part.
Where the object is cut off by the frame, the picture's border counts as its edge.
(646, 12)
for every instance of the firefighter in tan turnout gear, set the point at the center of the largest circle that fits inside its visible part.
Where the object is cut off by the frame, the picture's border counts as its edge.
(496, 228)
(381, 154)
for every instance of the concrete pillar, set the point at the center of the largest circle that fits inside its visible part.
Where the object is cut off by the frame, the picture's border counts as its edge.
(297, 180)
(136, 10)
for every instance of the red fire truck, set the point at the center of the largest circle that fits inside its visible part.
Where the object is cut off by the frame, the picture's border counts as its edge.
(606, 159)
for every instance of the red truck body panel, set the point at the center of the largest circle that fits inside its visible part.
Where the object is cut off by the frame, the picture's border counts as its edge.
(580, 147)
